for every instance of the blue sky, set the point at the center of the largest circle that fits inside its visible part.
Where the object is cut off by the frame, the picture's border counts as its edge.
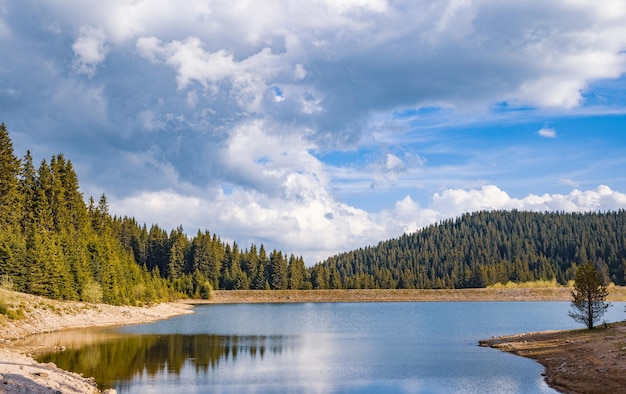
(322, 126)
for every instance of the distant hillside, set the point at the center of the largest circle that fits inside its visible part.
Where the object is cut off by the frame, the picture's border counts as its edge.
(484, 248)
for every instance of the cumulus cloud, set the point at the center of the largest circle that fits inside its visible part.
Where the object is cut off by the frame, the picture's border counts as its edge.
(218, 72)
(90, 49)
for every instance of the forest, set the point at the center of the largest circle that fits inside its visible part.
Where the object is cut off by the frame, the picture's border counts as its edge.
(484, 248)
(55, 244)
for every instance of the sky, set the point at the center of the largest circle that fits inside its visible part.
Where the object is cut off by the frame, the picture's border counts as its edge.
(321, 126)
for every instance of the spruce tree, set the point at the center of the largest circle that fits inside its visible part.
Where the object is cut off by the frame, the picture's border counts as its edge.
(279, 274)
(10, 208)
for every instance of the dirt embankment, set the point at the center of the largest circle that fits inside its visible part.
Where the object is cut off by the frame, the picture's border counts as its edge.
(399, 295)
(578, 361)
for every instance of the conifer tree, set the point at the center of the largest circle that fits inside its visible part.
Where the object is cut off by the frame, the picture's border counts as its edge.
(178, 252)
(279, 274)
(297, 273)
(589, 296)
(28, 190)
(10, 208)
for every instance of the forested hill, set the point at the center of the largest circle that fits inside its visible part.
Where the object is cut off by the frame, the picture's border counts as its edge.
(484, 248)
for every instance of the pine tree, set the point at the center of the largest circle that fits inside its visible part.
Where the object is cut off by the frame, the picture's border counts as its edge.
(279, 274)
(28, 190)
(10, 208)
(297, 273)
(588, 296)
(176, 266)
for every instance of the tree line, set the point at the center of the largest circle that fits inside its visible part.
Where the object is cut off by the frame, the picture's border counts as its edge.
(203, 262)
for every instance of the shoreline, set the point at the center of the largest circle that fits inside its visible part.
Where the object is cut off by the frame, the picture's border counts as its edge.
(19, 372)
(574, 361)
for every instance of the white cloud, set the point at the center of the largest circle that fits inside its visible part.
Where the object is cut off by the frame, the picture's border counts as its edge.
(190, 60)
(393, 163)
(260, 155)
(247, 79)
(90, 49)
(547, 132)
(453, 202)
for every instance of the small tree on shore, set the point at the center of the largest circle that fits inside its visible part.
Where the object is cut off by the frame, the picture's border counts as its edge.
(588, 296)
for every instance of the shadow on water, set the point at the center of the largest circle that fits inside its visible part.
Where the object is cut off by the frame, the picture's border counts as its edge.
(112, 359)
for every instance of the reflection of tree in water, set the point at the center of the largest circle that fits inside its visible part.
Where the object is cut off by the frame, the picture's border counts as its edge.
(124, 358)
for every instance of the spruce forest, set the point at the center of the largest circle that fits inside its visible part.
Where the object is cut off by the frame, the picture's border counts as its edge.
(54, 244)
(484, 248)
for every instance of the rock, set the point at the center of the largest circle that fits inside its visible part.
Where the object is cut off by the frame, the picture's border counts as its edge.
(109, 391)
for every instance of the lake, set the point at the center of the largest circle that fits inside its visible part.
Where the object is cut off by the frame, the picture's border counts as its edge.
(423, 347)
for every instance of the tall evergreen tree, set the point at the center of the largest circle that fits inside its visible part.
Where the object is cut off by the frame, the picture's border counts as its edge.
(279, 274)
(10, 208)
(28, 190)
(176, 266)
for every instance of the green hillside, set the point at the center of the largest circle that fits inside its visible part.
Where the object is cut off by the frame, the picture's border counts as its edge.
(484, 248)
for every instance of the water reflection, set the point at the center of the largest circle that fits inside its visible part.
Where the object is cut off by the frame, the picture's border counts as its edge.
(317, 348)
(112, 358)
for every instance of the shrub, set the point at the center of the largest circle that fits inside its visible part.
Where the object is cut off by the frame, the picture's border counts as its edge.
(6, 282)
(10, 313)
(92, 292)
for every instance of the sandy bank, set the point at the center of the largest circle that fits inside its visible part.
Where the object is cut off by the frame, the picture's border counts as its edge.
(20, 373)
(399, 295)
(578, 361)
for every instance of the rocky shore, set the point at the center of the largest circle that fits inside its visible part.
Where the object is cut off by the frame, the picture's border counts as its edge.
(578, 361)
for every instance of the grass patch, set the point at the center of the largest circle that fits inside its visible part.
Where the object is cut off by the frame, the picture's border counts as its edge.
(9, 312)
(526, 285)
